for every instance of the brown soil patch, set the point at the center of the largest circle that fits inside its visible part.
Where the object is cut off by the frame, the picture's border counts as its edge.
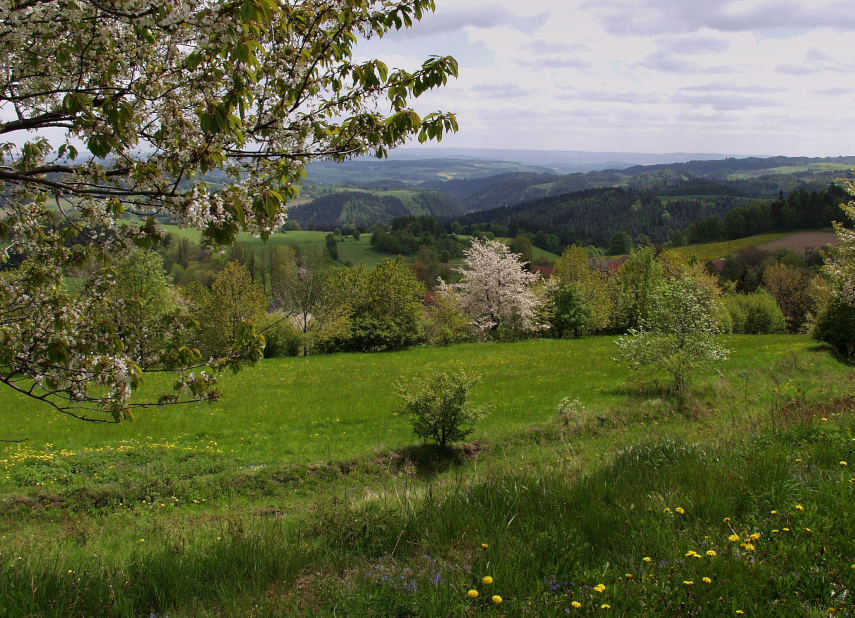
(802, 241)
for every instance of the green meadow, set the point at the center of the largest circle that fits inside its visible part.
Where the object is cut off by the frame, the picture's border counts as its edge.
(303, 492)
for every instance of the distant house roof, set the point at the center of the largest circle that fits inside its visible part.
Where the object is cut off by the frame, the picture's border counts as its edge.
(430, 299)
(544, 271)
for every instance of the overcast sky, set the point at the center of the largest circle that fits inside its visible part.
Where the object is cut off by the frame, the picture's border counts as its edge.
(741, 77)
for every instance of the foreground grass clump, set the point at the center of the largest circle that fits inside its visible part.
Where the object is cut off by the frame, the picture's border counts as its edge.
(762, 525)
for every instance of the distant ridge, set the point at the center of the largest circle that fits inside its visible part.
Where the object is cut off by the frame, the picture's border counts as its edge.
(561, 160)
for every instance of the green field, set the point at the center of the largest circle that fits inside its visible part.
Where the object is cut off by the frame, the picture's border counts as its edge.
(815, 168)
(302, 493)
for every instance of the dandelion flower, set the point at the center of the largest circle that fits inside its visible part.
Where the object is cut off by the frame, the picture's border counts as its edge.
(646, 559)
(748, 547)
(733, 538)
(628, 575)
(727, 520)
(786, 529)
(484, 545)
(688, 583)
(707, 580)
(605, 606)
(576, 604)
(799, 507)
(755, 536)
(807, 530)
(843, 463)
(667, 510)
(600, 588)
(487, 580)
(680, 510)
(775, 531)
(824, 420)
(740, 612)
(497, 599)
(774, 512)
(473, 594)
(711, 554)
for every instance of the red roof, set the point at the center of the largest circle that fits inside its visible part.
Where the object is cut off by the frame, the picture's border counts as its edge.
(545, 271)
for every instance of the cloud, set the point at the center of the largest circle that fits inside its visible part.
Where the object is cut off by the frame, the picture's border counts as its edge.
(724, 102)
(499, 91)
(557, 63)
(484, 17)
(693, 45)
(603, 96)
(834, 92)
(647, 17)
(542, 48)
(795, 69)
(733, 87)
(665, 63)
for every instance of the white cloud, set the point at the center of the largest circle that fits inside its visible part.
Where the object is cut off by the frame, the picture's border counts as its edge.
(746, 77)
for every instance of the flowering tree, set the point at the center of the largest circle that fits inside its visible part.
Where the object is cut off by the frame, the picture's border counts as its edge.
(678, 337)
(495, 287)
(137, 107)
(840, 264)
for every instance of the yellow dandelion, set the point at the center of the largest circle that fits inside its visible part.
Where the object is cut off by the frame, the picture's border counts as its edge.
(576, 604)
(786, 529)
(487, 580)
(688, 582)
(605, 606)
(740, 612)
(808, 530)
(733, 538)
(799, 507)
(484, 545)
(843, 463)
(755, 536)
(473, 594)
(727, 520)
(680, 510)
(775, 531)
(774, 512)
(824, 420)
(667, 510)
(600, 588)
(497, 599)
(798, 461)
(711, 554)
(628, 575)
(707, 580)
(646, 559)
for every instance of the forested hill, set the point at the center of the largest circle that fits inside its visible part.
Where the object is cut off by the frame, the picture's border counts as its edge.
(754, 177)
(365, 208)
(591, 216)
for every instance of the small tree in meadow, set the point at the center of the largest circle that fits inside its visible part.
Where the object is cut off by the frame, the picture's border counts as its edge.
(439, 406)
(679, 336)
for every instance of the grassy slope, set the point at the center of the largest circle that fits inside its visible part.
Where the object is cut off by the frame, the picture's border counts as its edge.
(202, 519)
(300, 410)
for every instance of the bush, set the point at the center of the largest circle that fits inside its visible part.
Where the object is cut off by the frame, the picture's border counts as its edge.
(280, 337)
(754, 314)
(439, 408)
(835, 325)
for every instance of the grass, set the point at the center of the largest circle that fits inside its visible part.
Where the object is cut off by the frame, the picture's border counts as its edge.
(301, 495)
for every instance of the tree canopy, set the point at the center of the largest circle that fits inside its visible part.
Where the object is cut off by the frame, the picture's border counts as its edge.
(126, 111)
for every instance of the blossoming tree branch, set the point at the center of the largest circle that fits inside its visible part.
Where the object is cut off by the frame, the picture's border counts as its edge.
(110, 108)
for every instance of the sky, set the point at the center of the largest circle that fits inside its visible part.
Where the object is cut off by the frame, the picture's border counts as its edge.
(747, 77)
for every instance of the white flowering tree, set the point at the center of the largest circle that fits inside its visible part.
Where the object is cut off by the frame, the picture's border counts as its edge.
(202, 111)
(495, 289)
(840, 265)
(679, 336)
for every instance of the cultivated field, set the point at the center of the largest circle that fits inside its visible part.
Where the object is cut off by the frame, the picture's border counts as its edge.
(802, 241)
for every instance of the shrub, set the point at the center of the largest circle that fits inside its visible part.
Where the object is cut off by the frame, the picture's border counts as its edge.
(835, 325)
(755, 314)
(679, 336)
(439, 408)
(280, 337)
